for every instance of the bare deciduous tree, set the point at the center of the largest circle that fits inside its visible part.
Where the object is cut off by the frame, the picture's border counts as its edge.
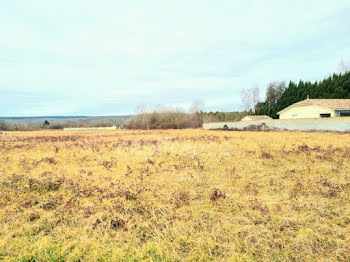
(196, 107)
(274, 91)
(255, 96)
(245, 99)
(249, 97)
(141, 110)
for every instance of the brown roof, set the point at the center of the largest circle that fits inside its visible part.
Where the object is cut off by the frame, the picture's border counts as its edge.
(329, 103)
(261, 117)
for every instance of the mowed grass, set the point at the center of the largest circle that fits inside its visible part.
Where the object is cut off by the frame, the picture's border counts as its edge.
(179, 195)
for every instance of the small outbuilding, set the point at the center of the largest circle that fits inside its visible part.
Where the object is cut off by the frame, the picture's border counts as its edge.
(255, 118)
(316, 108)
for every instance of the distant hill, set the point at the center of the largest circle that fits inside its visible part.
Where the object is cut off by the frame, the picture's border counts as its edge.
(62, 118)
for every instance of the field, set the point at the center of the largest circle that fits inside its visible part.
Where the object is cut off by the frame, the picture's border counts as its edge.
(186, 195)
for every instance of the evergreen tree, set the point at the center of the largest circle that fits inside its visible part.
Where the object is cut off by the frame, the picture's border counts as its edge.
(279, 96)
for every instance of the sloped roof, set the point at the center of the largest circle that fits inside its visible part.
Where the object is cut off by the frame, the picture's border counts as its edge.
(329, 103)
(261, 117)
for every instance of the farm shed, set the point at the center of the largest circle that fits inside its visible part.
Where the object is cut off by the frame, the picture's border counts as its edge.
(252, 118)
(316, 108)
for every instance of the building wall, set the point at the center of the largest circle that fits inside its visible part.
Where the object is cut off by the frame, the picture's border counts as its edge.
(337, 124)
(309, 111)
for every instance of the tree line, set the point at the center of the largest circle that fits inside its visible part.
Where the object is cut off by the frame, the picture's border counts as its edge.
(178, 118)
(279, 95)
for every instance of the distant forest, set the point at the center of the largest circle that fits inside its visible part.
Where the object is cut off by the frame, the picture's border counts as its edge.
(279, 96)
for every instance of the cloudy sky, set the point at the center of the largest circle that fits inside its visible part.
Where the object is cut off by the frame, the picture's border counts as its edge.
(87, 57)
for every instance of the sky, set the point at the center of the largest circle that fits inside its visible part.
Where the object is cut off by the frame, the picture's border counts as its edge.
(87, 57)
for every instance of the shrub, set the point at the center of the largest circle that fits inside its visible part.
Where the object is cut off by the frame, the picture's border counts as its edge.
(3, 125)
(165, 120)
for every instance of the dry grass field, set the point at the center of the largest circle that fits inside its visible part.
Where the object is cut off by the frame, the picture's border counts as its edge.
(186, 195)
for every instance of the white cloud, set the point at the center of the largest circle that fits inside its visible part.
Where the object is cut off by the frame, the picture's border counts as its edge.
(111, 56)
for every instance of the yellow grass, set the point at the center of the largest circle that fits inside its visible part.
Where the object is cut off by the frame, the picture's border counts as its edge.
(190, 195)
